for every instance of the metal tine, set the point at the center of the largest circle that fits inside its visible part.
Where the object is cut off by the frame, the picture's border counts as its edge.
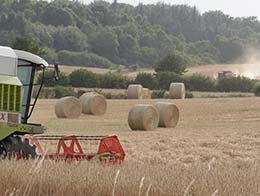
(72, 135)
(78, 137)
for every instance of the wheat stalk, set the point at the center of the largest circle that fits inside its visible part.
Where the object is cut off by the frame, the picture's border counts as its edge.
(215, 193)
(141, 185)
(188, 187)
(115, 182)
(148, 190)
(210, 163)
(34, 170)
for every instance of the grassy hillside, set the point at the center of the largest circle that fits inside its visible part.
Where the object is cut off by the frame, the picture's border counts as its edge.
(107, 35)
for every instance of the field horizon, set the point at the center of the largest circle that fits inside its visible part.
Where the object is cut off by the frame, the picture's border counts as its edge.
(250, 70)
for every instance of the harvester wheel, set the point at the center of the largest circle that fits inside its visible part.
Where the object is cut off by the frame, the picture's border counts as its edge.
(15, 146)
(2, 149)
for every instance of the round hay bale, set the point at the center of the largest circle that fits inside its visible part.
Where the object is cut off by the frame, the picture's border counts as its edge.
(169, 114)
(143, 117)
(134, 91)
(68, 107)
(146, 93)
(177, 91)
(93, 103)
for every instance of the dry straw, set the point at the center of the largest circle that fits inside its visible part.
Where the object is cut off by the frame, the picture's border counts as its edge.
(177, 91)
(141, 186)
(135, 91)
(188, 188)
(169, 114)
(148, 190)
(115, 182)
(143, 117)
(93, 103)
(146, 94)
(68, 107)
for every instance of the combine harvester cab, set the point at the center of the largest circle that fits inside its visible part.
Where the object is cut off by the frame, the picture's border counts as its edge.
(18, 136)
(17, 71)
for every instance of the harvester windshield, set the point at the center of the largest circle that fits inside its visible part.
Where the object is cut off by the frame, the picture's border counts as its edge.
(25, 73)
(28, 64)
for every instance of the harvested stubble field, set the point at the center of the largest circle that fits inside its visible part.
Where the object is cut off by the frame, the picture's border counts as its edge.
(214, 150)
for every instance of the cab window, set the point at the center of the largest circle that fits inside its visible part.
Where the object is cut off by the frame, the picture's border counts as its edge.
(25, 72)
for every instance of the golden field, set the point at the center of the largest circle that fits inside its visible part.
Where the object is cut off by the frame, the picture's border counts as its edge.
(214, 150)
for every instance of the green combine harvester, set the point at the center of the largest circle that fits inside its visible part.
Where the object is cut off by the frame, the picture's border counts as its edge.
(18, 137)
(17, 72)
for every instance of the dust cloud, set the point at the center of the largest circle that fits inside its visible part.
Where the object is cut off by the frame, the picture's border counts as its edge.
(251, 64)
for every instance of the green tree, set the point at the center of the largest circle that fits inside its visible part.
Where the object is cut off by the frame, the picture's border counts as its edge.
(49, 55)
(84, 78)
(128, 47)
(147, 56)
(205, 50)
(42, 34)
(61, 91)
(197, 82)
(235, 84)
(70, 38)
(147, 80)
(166, 78)
(84, 59)
(7, 38)
(256, 89)
(50, 81)
(13, 21)
(231, 49)
(172, 63)
(105, 43)
(57, 16)
(114, 80)
(27, 44)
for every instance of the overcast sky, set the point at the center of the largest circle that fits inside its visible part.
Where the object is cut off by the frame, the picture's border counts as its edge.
(231, 7)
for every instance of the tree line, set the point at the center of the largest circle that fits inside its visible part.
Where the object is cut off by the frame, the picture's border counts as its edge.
(108, 35)
(83, 78)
